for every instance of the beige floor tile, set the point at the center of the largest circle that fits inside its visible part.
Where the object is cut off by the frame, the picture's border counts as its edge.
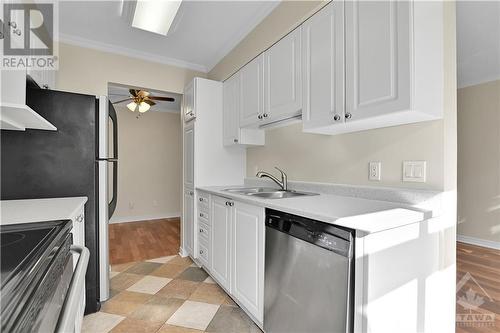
(193, 315)
(113, 274)
(149, 284)
(124, 280)
(130, 325)
(100, 322)
(179, 289)
(157, 309)
(122, 267)
(176, 329)
(178, 260)
(229, 301)
(208, 293)
(143, 268)
(161, 260)
(209, 280)
(125, 302)
(169, 270)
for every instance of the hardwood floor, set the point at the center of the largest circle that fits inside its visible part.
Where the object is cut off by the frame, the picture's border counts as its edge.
(480, 294)
(138, 241)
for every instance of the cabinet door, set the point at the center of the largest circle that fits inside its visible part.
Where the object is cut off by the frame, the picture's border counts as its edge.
(221, 235)
(189, 157)
(248, 257)
(189, 101)
(378, 63)
(231, 110)
(251, 93)
(282, 82)
(323, 67)
(188, 221)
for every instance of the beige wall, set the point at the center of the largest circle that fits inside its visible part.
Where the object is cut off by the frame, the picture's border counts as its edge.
(344, 158)
(150, 147)
(149, 175)
(479, 161)
(89, 71)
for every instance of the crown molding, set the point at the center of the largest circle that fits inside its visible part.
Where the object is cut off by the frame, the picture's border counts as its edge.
(242, 33)
(83, 42)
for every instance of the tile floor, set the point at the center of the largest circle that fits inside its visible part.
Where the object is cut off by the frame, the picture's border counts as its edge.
(168, 294)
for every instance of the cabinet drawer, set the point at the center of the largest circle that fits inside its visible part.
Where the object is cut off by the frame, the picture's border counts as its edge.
(203, 251)
(203, 217)
(203, 200)
(203, 231)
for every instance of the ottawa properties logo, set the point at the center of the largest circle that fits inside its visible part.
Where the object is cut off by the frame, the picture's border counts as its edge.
(472, 301)
(27, 32)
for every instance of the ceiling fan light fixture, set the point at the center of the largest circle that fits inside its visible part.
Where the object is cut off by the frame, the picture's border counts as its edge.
(143, 107)
(132, 106)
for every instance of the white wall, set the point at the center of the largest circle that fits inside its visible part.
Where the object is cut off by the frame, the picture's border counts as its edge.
(149, 169)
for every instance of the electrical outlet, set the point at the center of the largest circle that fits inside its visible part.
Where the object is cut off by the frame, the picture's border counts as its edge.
(414, 171)
(374, 169)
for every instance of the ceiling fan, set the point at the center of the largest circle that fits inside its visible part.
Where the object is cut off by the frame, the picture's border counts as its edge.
(142, 100)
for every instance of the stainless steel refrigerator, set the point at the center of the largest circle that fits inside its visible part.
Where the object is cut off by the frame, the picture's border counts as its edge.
(79, 159)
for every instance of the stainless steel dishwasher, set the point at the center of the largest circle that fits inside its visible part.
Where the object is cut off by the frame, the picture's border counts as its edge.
(308, 275)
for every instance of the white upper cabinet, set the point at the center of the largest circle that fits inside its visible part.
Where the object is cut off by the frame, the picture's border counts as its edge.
(189, 157)
(283, 79)
(323, 67)
(189, 101)
(378, 57)
(243, 100)
(14, 113)
(252, 93)
(221, 237)
(231, 108)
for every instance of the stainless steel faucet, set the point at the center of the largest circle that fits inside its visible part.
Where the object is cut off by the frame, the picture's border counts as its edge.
(284, 180)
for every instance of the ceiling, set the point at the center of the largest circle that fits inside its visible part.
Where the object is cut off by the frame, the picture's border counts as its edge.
(478, 42)
(118, 92)
(201, 35)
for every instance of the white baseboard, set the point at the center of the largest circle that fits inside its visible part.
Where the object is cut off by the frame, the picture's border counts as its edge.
(479, 242)
(126, 219)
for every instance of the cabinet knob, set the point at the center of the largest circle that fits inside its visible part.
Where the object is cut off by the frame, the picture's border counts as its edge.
(191, 192)
(336, 117)
(201, 251)
(13, 24)
(235, 140)
(45, 86)
(201, 230)
(259, 116)
(348, 115)
(201, 214)
(201, 199)
(79, 218)
(265, 115)
(230, 204)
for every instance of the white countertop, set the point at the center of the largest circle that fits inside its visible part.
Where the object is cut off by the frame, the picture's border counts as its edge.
(39, 210)
(364, 215)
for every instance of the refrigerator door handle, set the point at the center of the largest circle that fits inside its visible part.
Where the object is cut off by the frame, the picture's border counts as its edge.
(113, 158)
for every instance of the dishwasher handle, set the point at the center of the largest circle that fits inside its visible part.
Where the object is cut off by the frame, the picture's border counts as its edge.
(67, 318)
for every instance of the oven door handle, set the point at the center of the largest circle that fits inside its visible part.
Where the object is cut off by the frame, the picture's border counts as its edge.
(67, 318)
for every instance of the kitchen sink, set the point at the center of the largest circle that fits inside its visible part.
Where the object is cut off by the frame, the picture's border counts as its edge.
(267, 193)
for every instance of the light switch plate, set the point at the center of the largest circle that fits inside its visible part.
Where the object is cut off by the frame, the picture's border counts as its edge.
(374, 170)
(414, 171)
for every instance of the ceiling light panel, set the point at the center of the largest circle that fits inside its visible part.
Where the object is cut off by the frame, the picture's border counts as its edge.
(154, 15)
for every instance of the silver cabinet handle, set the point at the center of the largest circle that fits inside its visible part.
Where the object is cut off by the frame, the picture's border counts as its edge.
(202, 215)
(259, 116)
(201, 230)
(79, 218)
(348, 115)
(191, 192)
(200, 199)
(265, 115)
(235, 140)
(229, 203)
(201, 251)
(336, 117)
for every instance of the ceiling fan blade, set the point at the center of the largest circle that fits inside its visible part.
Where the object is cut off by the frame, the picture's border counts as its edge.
(150, 102)
(158, 98)
(123, 100)
(134, 92)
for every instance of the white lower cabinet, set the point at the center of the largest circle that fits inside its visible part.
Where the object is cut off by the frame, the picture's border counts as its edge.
(221, 217)
(236, 252)
(248, 258)
(188, 222)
